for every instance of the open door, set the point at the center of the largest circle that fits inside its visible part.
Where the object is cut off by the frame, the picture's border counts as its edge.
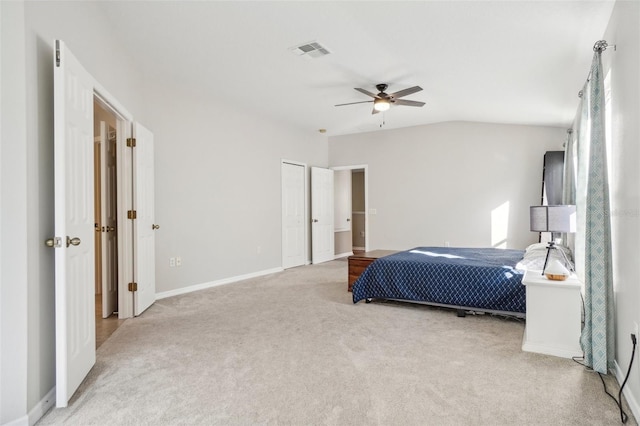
(294, 242)
(108, 220)
(74, 93)
(74, 223)
(144, 225)
(322, 237)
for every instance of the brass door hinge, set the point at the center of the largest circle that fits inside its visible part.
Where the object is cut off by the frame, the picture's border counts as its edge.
(133, 286)
(131, 142)
(132, 214)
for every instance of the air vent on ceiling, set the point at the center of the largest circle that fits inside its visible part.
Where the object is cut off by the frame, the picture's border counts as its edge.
(313, 49)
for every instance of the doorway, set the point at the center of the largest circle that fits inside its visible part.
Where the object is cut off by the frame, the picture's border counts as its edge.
(352, 225)
(358, 211)
(106, 222)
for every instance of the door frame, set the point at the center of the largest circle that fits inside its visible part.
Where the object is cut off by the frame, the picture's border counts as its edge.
(124, 162)
(366, 198)
(306, 219)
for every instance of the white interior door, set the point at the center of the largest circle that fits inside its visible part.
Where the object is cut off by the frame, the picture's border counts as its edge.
(74, 223)
(108, 220)
(293, 215)
(322, 248)
(342, 200)
(144, 225)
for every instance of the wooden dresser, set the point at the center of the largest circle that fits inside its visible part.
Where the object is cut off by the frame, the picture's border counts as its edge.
(359, 262)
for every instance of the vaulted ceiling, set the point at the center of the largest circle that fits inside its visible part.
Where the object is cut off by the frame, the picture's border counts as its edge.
(520, 62)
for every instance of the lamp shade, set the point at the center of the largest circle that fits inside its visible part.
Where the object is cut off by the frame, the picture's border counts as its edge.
(553, 218)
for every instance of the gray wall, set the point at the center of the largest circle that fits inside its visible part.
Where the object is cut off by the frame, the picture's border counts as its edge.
(624, 65)
(217, 181)
(13, 215)
(218, 185)
(450, 182)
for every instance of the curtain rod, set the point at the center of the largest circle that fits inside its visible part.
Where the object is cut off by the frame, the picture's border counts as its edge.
(569, 133)
(599, 46)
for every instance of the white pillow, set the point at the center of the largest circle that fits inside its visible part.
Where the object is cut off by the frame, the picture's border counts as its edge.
(536, 254)
(536, 246)
(543, 247)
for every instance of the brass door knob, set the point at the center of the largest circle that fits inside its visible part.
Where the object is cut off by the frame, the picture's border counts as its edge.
(53, 242)
(75, 241)
(111, 228)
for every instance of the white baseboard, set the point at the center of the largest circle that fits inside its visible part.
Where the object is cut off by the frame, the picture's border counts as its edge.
(37, 411)
(42, 407)
(22, 421)
(338, 256)
(358, 248)
(216, 283)
(629, 396)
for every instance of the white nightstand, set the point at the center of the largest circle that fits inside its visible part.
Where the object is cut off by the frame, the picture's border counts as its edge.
(553, 315)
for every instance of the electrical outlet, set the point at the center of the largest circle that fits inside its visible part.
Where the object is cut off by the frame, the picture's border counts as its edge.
(172, 261)
(635, 329)
(178, 261)
(258, 250)
(446, 244)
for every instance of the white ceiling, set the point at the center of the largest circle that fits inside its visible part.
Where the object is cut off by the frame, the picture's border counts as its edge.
(519, 62)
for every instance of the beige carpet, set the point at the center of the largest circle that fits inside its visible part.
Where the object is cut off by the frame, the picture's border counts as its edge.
(292, 349)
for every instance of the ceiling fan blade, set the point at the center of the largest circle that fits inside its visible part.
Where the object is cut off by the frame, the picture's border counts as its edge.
(366, 92)
(353, 103)
(408, 102)
(406, 92)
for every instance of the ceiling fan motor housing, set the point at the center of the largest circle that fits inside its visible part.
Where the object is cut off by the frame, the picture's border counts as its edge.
(381, 87)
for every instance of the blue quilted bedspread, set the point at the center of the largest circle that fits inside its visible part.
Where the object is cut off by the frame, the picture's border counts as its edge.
(482, 278)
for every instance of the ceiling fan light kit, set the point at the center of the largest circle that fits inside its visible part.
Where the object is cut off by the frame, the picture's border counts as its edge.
(381, 105)
(382, 101)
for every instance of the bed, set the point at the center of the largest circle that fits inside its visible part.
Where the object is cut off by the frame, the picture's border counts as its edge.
(467, 279)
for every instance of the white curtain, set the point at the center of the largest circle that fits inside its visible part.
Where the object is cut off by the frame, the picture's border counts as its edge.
(569, 179)
(593, 237)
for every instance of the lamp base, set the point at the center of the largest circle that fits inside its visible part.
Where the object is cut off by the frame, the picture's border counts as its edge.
(552, 246)
(556, 277)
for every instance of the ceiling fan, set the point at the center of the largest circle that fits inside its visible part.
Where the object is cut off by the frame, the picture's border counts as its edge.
(383, 101)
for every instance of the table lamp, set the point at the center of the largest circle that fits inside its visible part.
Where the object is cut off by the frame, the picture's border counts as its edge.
(554, 219)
